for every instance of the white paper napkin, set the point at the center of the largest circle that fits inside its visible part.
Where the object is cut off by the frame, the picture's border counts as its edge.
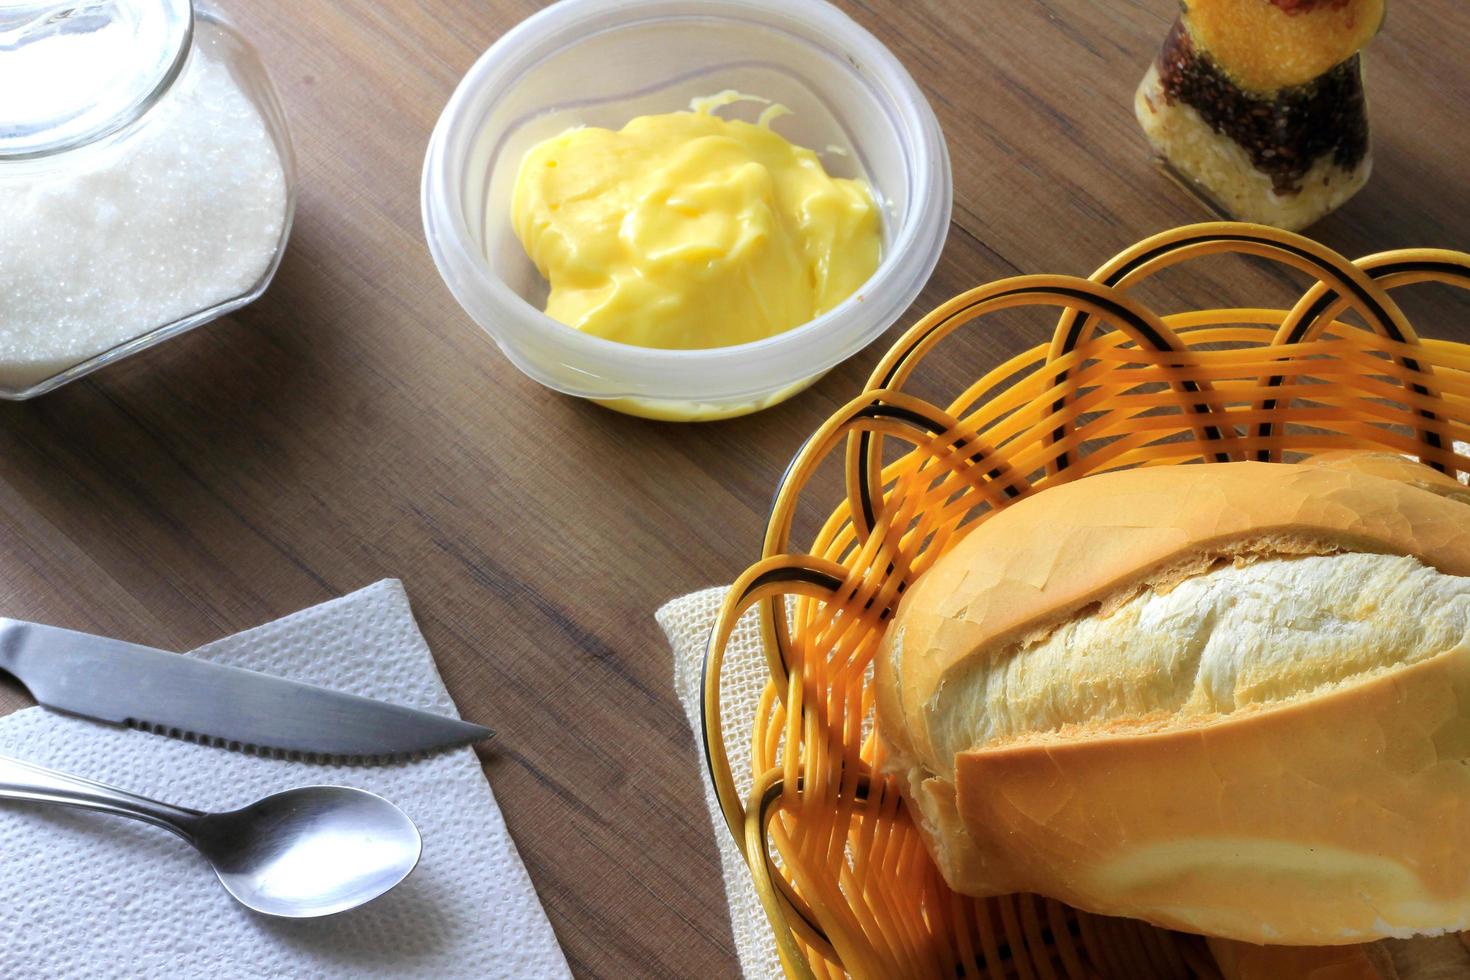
(87, 895)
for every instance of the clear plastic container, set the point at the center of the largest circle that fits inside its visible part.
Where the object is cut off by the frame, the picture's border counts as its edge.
(147, 182)
(600, 63)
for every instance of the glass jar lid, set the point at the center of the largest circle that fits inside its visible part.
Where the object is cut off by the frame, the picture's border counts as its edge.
(73, 72)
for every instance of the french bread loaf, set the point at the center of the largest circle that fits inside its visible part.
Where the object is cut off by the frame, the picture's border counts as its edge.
(1232, 699)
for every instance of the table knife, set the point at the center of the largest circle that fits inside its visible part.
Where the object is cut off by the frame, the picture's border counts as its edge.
(168, 694)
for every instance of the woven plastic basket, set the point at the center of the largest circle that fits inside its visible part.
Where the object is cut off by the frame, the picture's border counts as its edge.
(840, 869)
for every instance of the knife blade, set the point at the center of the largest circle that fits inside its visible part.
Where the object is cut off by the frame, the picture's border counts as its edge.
(127, 684)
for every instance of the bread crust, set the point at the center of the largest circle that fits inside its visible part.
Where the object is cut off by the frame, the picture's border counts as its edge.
(1392, 466)
(1330, 819)
(1425, 958)
(1245, 961)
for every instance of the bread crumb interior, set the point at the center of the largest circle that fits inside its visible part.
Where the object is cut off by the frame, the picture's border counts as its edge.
(1241, 635)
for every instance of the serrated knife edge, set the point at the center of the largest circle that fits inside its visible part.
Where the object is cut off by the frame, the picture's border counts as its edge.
(122, 683)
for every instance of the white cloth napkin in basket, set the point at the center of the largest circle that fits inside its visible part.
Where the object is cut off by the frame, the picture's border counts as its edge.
(687, 622)
(88, 895)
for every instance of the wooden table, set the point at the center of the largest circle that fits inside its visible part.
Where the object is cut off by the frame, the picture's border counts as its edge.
(354, 424)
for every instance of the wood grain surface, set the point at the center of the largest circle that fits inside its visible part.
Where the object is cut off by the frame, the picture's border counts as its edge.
(354, 424)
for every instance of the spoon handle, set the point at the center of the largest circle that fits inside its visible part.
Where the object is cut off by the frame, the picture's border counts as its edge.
(26, 781)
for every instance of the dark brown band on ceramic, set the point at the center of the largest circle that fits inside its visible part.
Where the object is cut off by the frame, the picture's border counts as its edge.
(1283, 135)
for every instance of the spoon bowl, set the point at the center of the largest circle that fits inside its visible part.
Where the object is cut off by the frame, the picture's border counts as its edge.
(312, 851)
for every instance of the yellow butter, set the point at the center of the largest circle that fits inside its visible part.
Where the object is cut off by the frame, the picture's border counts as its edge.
(686, 230)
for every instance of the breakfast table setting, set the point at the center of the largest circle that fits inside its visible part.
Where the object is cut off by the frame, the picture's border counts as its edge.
(766, 488)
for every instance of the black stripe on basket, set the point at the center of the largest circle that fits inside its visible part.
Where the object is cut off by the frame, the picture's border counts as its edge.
(1430, 438)
(1264, 429)
(1151, 336)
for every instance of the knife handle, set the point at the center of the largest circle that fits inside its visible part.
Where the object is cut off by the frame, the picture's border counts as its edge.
(26, 781)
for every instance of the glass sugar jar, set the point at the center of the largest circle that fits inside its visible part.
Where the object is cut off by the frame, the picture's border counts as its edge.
(147, 182)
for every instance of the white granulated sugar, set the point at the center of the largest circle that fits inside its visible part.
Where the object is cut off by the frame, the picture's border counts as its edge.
(180, 215)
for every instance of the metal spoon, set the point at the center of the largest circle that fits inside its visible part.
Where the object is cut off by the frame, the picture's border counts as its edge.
(306, 852)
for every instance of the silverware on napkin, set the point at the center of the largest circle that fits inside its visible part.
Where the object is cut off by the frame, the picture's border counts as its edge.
(169, 694)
